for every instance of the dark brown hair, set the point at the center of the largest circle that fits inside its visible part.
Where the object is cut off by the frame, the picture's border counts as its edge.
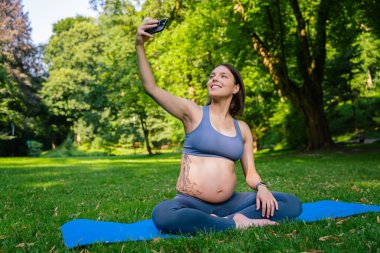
(238, 99)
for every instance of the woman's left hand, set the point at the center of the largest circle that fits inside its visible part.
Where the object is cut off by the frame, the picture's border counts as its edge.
(266, 201)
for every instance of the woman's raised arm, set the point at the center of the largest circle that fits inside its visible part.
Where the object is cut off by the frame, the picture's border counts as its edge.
(178, 107)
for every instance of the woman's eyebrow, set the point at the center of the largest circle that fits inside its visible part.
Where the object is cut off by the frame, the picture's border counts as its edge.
(222, 73)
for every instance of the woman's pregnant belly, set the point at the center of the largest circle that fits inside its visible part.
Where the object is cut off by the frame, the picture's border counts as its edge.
(211, 179)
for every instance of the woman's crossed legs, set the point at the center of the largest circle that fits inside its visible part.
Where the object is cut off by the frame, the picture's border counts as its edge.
(187, 214)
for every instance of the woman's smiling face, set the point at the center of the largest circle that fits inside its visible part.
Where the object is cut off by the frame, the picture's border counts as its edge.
(222, 83)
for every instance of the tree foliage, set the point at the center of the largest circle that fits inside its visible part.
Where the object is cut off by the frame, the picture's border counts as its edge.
(281, 47)
(20, 108)
(311, 69)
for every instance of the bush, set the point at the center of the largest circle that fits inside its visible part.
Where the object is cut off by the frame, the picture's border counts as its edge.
(34, 148)
(67, 148)
(346, 117)
(97, 143)
(287, 129)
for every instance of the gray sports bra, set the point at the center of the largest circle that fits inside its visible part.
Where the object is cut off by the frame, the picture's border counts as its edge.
(204, 140)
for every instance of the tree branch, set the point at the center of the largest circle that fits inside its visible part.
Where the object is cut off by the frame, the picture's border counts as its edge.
(283, 62)
(265, 55)
(275, 65)
(320, 45)
(305, 58)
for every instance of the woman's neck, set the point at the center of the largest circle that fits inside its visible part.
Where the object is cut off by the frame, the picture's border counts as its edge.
(220, 109)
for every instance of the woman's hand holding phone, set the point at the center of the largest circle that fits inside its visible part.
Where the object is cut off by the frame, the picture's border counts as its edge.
(142, 35)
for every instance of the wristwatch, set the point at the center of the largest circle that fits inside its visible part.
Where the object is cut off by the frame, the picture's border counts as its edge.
(261, 183)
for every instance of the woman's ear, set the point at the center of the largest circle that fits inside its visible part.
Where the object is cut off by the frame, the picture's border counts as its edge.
(236, 88)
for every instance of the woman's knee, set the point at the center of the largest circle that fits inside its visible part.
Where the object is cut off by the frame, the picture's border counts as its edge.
(291, 206)
(163, 216)
(294, 206)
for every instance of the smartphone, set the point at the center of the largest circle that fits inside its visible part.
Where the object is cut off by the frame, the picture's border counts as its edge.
(159, 28)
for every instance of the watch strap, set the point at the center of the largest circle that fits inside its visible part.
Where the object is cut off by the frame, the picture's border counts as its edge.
(260, 183)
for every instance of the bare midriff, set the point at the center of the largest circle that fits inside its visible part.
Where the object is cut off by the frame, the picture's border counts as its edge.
(211, 179)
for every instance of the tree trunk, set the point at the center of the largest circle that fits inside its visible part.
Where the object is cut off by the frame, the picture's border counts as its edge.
(317, 128)
(307, 98)
(146, 135)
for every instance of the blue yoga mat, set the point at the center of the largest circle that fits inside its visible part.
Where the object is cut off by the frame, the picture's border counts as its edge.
(82, 232)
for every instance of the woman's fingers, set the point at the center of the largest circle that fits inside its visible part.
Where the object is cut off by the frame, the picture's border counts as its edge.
(258, 203)
(264, 209)
(142, 35)
(150, 22)
(147, 34)
(147, 23)
(142, 29)
(268, 208)
(272, 208)
(147, 26)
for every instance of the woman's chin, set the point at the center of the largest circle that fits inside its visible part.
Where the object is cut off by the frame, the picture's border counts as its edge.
(218, 96)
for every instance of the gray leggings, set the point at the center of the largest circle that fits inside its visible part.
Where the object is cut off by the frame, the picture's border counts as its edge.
(187, 214)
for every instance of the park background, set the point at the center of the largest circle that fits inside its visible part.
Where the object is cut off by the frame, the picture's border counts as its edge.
(311, 71)
(84, 141)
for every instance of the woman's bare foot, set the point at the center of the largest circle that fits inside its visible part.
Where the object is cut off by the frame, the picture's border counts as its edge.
(243, 222)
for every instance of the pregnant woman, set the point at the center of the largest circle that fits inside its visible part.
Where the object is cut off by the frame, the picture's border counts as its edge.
(206, 199)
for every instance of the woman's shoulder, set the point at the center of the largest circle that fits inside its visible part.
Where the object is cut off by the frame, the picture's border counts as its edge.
(243, 125)
(244, 129)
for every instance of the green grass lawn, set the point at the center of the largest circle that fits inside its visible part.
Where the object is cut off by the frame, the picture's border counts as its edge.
(38, 195)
